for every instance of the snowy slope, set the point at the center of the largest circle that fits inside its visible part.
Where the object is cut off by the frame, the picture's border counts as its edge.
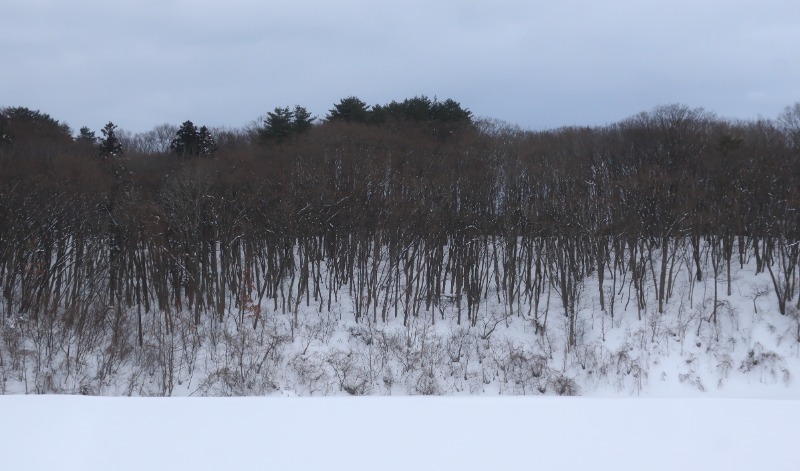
(749, 350)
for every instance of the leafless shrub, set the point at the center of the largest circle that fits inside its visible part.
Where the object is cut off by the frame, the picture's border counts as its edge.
(724, 367)
(794, 313)
(630, 371)
(145, 372)
(769, 366)
(248, 362)
(318, 329)
(3, 372)
(457, 345)
(116, 353)
(563, 385)
(189, 341)
(407, 346)
(758, 291)
(525, 371)
(350, 372)
(488, 325)
(596, 361)
(692, 380)
(12, 344)
(457, 366)
(361, 333)
(311, 372)
(427, 384)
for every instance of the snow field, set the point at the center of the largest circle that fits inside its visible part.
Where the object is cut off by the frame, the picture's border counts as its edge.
(77, 433)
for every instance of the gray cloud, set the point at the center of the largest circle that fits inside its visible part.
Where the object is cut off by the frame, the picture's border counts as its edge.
(537, 64)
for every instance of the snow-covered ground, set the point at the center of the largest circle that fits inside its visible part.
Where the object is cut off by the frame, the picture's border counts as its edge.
(79, 433)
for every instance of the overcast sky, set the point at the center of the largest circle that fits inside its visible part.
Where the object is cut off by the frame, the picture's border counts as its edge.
(538, 64)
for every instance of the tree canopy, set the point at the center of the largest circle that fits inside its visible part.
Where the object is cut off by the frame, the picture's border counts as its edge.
(440, 117)
(350, 110)
(190, 141)
(86, 135)
(285, 123)
(19, 122)
(110, 145)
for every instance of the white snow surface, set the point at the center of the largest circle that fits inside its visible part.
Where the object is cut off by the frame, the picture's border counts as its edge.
(396, 433)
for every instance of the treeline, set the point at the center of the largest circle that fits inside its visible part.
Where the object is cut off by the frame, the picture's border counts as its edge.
(413, 209)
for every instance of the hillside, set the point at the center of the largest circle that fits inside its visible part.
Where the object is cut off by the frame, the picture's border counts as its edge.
(405, 248)
(750, 350)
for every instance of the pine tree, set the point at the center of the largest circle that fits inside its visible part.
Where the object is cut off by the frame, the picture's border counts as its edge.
(186, 141)
(351, 110)
(23, 124)
(278, 125)
(303, 121)
(450, 111)
(109, 143)
(85, 135)
(42, 123)
(417, 109)
(206, 144)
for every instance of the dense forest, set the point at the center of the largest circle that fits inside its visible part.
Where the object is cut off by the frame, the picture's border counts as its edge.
(415, 210)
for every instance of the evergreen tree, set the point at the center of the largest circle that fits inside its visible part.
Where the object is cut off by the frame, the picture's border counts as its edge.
(442, 116)
(303, 121)
(416, 109)
(85, 135)
(42, 122)
(206, 144)
(278, 125)
(380, 114)
(351, 110)
(186, 141)
(191, 142)
(284, 123)
(109, 143)
(23, 124)
(450, 111)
